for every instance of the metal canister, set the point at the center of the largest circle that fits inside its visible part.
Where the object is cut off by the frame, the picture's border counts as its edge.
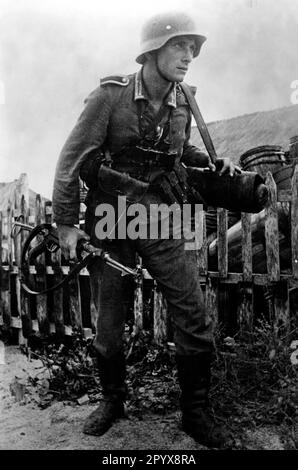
(263, 159)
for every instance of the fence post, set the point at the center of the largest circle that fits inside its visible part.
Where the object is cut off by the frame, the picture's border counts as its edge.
(41, 300)
(159, 316)
(282, 307)
(10, 253)
(75, 307)
(279, 302)
(17, 242)
(202, 253)
(294, 221)
(49, 270)
(222, 228)
(211, 299)
(25, 299)
(272, 232)
(56, 277)
(245, 308)
(58, 296)
(281, 292)
(6, 281)
(138, 301)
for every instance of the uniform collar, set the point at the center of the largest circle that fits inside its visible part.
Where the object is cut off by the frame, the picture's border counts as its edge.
(141, 92)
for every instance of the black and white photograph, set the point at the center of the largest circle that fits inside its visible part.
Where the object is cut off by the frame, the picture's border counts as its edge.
(149, 229)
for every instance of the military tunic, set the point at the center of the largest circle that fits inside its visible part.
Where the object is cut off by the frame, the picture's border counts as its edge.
(112, 119)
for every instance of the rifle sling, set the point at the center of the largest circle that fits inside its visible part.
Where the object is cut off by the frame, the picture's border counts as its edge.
(199, 121)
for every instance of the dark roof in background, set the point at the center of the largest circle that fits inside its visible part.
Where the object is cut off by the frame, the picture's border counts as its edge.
(232, 137)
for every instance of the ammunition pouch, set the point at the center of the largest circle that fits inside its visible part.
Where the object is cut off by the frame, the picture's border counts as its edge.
(174, 187)
(89, 169)
(118, 184)
(243, 192)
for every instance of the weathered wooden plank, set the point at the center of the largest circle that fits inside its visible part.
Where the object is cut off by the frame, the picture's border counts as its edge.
(6, 279)
(1, 241)
(202, 256)
(159, 316)
(41, 283)
(246, 247)
(10, 250)
(1, 270)
(211, 299)
(245, 307)
(282, 307)
(284, 195)
(75, 308)
(271, 231)
(222, 227)
(49, 270)
(21, 200)
(57, 296)
(17, 243)
(294, 223)
(25, 298)
(234, 278)
(5, 297)
(138, 301)
(16, 238)
(245, 302)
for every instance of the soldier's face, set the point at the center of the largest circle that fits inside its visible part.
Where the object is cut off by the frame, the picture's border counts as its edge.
(175, 56)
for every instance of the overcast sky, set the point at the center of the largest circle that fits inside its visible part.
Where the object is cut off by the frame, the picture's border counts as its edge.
(53, 53)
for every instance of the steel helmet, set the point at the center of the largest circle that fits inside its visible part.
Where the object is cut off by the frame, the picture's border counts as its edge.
(160, 28)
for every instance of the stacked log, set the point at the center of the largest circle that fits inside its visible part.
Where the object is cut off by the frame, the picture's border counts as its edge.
(260, 159)
(234, 235)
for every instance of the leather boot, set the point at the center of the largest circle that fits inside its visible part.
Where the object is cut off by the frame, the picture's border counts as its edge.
(112, 377)
(194, 373)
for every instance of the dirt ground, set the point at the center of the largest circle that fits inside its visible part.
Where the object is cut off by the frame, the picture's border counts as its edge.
(24, 425)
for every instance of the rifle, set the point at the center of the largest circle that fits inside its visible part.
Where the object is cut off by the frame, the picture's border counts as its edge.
(50, 243)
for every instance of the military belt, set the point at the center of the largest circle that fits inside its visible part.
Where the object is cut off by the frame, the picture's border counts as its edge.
(145, 158)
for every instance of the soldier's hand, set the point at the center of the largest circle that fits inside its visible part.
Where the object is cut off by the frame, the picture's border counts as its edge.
(69, 235)
(225, 166)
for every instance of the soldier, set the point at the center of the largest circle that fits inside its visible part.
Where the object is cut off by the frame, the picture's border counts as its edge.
(141, 123)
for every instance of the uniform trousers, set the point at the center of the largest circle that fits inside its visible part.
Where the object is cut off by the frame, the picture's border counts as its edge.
(176, 272)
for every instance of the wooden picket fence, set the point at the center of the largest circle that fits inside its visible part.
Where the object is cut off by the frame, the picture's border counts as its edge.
(71, 309)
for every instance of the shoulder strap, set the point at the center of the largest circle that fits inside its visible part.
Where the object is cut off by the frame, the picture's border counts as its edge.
(121, 80)
(199, 121)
